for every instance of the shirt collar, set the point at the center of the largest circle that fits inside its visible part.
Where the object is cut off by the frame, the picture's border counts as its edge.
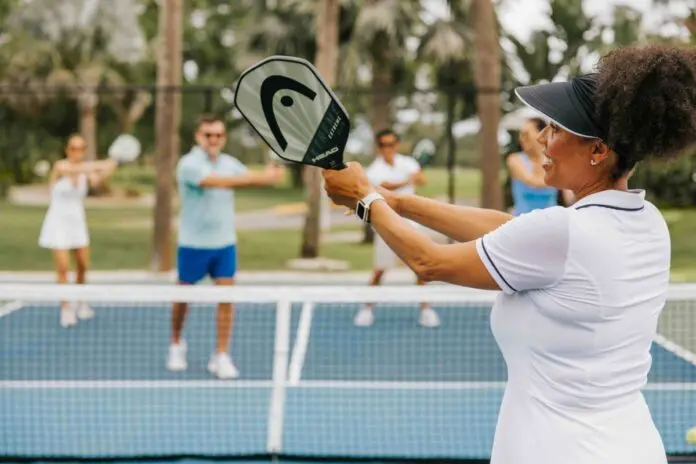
(631, 200)
(384, 162)
(204, 154)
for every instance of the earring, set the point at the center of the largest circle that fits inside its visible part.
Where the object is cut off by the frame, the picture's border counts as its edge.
(593, 162)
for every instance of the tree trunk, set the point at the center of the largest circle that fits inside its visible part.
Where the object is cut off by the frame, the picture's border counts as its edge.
(168, 115)
(296, 176)
(87, 102)
(451, 150)
(381, 112)
(487, 78)
(140, 104)
(382, 92)
(134, 113)
(382, 96)
(326, 61)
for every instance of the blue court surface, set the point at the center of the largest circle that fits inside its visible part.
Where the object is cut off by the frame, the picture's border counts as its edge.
(392, 391)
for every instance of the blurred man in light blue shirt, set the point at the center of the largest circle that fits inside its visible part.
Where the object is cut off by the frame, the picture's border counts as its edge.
(207, 237)
(207, 219)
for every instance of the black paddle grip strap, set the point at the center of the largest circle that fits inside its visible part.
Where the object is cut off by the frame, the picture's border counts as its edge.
(329, 141)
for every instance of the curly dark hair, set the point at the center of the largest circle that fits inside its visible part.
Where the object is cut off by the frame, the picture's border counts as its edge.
(646, 101)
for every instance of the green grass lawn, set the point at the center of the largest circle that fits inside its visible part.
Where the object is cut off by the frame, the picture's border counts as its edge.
(682, 225)
(120, 241)
(142, 179)
(467, 183)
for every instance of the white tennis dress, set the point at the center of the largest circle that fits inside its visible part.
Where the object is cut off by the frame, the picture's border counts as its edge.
(65, 224)
(583, 288)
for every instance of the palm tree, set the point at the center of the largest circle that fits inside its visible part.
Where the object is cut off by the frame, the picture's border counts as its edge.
(381, 28)
(167, 122)
(447, 46)
(326, 61)
(571, 25)
(286, 29)
(297, 27)
(487, 77)
(76, 51)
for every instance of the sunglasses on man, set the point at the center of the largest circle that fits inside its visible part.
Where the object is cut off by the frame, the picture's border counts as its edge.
(210, 135)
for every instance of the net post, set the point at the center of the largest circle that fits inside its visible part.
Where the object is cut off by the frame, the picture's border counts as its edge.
(280, 369)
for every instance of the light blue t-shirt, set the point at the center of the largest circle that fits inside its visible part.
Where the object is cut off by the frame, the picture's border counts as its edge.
(526, 198)
(207, 218)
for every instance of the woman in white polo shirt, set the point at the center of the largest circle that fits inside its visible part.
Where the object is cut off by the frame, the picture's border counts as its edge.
(582, 287)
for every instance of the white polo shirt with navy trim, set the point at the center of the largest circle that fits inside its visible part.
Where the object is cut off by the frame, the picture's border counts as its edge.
(582, 290)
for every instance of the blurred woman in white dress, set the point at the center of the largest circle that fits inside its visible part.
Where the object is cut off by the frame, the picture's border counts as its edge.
(64, 229)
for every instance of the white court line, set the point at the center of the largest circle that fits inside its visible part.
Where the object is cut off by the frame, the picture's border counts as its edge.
(328, 384)
(134, 384)
(676, 349)
(10, 307)
(396, 385)
(393, 385)
(299, 350)
(276, 408)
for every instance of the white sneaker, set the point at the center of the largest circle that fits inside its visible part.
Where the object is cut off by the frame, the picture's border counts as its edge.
(364, 318)
(176, 361)
(68, 318)
(429, 318)
(84, 311)
(221, 365)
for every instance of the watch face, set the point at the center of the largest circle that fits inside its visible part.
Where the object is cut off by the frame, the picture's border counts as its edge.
(360, 211)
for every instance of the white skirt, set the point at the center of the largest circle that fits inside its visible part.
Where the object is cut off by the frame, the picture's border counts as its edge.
(64, 230)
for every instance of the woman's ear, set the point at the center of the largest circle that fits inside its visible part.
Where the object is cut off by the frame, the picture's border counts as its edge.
(600, 152)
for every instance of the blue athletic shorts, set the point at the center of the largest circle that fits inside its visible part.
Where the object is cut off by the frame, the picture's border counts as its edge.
(194, 264)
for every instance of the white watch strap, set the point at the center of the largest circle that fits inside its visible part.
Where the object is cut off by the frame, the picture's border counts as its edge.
(364, 206)
(369, 199)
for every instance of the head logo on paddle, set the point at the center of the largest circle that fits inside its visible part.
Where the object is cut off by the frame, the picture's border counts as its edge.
(293, 110)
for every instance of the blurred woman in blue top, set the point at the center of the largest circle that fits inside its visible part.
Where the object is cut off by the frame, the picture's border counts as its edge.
(529, 191)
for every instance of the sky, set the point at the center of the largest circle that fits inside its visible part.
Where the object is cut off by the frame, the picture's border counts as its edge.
(522, 17)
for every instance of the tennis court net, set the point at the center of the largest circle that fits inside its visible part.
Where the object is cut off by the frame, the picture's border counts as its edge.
(312, 384)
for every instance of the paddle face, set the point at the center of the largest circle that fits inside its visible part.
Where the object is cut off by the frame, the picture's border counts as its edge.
(424, 151)
(293, 110)
(124, 149)
(42, 168)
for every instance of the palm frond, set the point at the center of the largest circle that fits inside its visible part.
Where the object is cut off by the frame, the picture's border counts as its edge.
(388, 22)
(446, 42)
(459, 9)
(60, 77)
(352, 58)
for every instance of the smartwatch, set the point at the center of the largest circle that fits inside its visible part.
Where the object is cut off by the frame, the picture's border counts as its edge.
(363, 208)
